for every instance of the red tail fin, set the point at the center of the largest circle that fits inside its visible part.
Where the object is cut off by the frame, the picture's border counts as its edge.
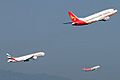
(73, 17)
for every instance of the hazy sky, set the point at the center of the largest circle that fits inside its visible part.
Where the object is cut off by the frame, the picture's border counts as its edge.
(34, 25)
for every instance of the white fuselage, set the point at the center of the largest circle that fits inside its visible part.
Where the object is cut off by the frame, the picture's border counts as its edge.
(96, 67)
(27, 57)
(103, 15)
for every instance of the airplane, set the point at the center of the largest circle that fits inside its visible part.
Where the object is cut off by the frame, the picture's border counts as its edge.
(25, 58)
(100, 16)
(91, 69)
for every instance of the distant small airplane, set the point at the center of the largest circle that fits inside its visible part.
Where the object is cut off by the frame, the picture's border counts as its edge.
(91, 69)
(25, 58)
(100, 16)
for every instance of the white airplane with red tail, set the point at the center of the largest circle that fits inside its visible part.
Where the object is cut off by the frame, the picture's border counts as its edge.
(91, 69)
(25, 58)
(100, 16)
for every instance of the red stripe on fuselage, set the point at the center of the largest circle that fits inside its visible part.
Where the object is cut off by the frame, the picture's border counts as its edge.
(14, 59)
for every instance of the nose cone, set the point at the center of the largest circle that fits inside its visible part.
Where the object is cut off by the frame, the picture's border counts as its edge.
(115, 10)
(98, 66)
(42, 53)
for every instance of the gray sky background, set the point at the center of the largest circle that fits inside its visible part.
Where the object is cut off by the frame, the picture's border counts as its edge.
(28, 26)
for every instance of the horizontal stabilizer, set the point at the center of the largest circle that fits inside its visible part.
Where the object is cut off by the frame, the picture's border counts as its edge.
(67, 23)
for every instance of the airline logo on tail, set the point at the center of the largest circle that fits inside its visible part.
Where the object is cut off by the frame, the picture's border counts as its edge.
(8, 56)
(73, 17)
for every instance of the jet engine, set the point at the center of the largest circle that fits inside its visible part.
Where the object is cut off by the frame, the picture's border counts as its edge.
(34, 57)
(106, 18)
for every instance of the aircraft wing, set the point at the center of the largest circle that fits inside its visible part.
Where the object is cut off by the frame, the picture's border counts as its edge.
(25, 58)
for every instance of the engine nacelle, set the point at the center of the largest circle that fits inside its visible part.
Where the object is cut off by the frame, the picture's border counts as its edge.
(106, 18)
(34, 57)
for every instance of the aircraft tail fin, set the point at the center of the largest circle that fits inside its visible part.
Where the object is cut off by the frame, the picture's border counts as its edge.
(73, 17)
(8, 56)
